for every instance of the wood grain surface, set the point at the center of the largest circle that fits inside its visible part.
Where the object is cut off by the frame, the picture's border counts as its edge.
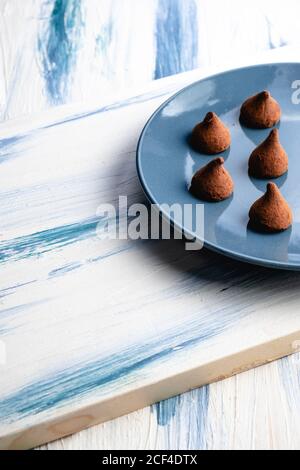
(85, 51)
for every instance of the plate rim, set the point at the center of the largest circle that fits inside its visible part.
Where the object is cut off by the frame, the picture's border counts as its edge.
(209, 245)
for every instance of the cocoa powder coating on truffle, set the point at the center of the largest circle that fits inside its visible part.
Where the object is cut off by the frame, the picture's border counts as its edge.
(271, 213)
(211, 136)
(269, 159)
(260, 111)
(212, 182)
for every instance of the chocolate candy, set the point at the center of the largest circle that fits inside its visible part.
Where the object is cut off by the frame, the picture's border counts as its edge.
(269, 159)
(212, 182)
(211, 136)
(260, 111)
(271, 213)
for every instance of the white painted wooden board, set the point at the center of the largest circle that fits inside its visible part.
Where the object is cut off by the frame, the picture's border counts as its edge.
(54, 52)
(93, 329)
(266, 410)
(255, 410)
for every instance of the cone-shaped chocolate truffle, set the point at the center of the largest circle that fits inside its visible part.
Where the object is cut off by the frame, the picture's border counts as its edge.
(260, 111)
(212, 182)
(269, 159)
(271, 213)
(211, 136)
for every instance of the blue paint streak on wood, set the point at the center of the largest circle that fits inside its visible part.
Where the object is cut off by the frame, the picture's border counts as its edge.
(270, 29)
(58, 45)
(6, 143)
(65, 269)
(58, 389)
(7, 147)
(289, 370)
(176, 37)
(10, 290)
(166, 410)
(190, 408)
(197, 435)
(9, 313)
(55, 238)
(42, 242)
(104, 39)
(112, 107)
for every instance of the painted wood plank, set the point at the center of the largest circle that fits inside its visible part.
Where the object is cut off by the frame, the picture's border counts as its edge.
(26, 86)
(188, 312)
(258, 409)
(68, 51)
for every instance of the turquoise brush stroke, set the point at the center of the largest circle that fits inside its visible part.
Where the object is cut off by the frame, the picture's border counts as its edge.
(166, 410)
(192, 408)
(106, 374)
(198, 414)
(78, 381)
(104, 39)
(44, 241)
(65, 269)
(8, 148)
(55, 238)
(6, 315)
(52, 239)
(5, 144)
(58, 44)
(11, 290)
(272, 44)
(289, 372)
(176, 37)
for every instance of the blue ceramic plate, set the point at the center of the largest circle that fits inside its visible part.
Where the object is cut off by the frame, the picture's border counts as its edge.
(166, 162)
